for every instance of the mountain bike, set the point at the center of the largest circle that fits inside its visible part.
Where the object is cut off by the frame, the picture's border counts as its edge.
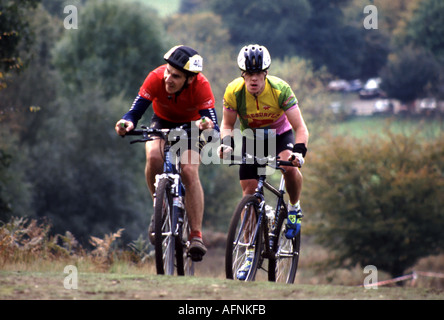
(171, 227)
(259, 227)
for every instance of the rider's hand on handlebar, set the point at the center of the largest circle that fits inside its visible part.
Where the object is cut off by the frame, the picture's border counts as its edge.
(296, 159)
(205, 123)
(123, 126)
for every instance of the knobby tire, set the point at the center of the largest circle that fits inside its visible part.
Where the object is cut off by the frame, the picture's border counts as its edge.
(283, 268)
(163, 233)
(243, 226)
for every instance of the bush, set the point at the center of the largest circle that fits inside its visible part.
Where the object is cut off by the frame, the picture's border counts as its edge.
(380, 199)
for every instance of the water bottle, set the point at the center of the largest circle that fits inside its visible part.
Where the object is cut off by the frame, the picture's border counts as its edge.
(271, 217)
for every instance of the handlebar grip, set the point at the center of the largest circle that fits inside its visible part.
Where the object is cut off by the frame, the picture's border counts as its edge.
(134, 132)
(286, 163)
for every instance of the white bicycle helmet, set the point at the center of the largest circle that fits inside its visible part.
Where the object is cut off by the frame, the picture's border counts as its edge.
(254, 58)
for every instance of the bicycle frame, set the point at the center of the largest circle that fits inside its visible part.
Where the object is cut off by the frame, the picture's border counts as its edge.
(259, 193)
(265, 237)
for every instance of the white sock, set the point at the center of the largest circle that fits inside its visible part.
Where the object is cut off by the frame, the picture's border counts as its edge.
(293, 207)
(250, 253)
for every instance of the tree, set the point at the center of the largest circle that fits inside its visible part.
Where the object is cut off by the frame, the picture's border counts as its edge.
(408, 73)
(426, 28)
(87, 179)
(380, 199)
(269, 23)
(116, 45)
(317, 30)
(23, 108)
(15, 191)
(14, 30)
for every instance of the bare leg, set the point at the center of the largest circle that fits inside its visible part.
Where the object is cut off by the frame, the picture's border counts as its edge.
(194, 197)
(293, 179)
(154, 162)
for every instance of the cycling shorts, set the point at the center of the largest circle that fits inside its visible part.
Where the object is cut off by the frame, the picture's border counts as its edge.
(262, 148)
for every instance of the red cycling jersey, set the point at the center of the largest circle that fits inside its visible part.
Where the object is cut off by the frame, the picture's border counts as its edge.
(177, 108)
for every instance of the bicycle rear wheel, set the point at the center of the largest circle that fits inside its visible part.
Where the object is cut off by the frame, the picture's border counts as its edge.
(163, 232)
(283, 268)
(240, 237)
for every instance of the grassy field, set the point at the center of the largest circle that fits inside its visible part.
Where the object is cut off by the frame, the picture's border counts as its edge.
(362, 127)
(15, 285)
(43, 276)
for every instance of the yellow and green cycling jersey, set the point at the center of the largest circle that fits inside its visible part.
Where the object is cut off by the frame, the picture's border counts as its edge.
(267, 111)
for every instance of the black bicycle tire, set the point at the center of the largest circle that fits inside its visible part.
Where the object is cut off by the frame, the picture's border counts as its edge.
(162, 220)
(295, 245)
(233, 233)
(185, 266)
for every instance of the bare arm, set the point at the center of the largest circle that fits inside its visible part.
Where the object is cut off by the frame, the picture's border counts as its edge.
(297, 122)
(226, 130)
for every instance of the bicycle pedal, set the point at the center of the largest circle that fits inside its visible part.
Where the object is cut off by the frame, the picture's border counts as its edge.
(195, 257)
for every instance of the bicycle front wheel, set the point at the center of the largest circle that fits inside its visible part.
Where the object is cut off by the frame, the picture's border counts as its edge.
(185, 266)
(163, 232)
(283, 268)
(244, 236)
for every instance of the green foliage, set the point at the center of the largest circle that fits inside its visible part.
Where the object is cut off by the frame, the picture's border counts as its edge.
(27, 98)
(315, 30)
(253, 22)
(408, 73)
(14, 30)
(380, 201)
(90, 180)
(426, 28)
(115, 46)
(15, 191)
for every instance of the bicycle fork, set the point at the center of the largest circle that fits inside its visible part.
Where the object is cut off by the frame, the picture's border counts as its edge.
(177, 191)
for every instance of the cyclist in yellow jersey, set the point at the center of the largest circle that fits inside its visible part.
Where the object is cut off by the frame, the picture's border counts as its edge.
(267, 108)
(266, 104)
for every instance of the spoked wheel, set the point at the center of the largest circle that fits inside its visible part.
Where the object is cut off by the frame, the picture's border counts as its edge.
(185, 266)
(163, 233)
(241, 237)
(283, 268)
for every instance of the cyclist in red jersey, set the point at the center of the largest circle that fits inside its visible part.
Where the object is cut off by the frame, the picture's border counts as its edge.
(179, 94)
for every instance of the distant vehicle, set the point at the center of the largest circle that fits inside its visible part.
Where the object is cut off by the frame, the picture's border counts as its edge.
(344, 85)
(371, 89)
(354, 85)
(383, 106)
(428, 105)
(338, 85)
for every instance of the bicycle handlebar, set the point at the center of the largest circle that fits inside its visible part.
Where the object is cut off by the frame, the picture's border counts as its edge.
(147, 133)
